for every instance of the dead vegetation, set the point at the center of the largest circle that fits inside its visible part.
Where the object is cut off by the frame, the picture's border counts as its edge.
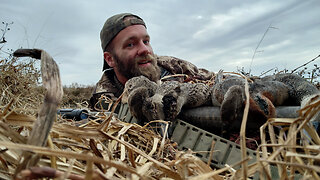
(76, 96)
(20, 82)
(104, 147)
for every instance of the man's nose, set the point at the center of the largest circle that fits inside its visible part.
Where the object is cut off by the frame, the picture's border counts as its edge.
(144, 49)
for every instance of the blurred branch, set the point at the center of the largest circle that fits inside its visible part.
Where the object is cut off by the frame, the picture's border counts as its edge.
(305, 63)
(256, 50)
(4, 31)
(263, 73)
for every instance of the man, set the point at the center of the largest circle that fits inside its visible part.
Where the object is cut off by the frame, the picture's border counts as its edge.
(128, 53)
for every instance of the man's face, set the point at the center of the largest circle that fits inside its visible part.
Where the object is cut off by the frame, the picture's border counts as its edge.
(133, 55)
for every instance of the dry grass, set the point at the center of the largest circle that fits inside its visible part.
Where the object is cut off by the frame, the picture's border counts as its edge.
(19, 81)
(130, 151)
(107, 148)
(294, 149)
(121, 151)
(76, 96)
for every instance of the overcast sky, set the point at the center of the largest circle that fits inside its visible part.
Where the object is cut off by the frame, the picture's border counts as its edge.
(212, 34)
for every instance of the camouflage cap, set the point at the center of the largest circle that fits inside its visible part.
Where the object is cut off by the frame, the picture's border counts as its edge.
(113, 26)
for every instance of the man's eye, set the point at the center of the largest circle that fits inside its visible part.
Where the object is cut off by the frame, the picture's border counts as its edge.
(130, 45)
(146, 42)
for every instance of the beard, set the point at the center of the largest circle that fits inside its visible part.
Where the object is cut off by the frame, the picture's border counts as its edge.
(132, 68)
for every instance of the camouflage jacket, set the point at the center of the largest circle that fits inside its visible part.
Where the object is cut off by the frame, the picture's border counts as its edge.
(110, 86)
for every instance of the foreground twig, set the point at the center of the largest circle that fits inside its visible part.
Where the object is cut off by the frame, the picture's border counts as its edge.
(305, 64)
(47, 114)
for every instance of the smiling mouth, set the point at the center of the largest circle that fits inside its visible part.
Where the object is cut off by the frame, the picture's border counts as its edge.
(144, 62)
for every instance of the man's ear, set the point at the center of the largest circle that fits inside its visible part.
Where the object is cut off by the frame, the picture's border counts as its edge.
(109, 59)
